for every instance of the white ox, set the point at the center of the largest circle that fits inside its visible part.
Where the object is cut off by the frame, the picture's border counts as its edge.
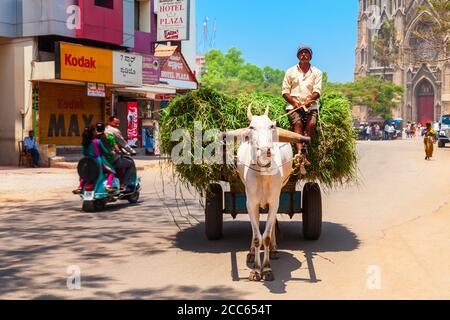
(264, 164)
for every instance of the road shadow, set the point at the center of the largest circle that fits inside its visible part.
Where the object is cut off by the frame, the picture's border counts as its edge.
(174, 292)
(237, 237)
(34, 234)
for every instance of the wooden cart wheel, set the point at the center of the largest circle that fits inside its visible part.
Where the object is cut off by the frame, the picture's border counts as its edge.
(312, 211)
(214, 213)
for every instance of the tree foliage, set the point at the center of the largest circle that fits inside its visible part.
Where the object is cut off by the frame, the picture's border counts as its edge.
(386, 46)
(231, 74)
(380, 96)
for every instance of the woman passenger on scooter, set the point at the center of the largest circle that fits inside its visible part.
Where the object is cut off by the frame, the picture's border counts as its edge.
(120, 163)
(93, 147)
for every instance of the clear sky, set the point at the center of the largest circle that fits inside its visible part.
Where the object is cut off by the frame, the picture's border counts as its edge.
(269, 32)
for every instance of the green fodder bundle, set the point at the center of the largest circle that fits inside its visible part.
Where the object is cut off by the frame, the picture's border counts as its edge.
(333, 150)
(332, 153)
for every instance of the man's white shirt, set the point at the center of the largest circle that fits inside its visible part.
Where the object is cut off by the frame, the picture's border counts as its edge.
(300, 85)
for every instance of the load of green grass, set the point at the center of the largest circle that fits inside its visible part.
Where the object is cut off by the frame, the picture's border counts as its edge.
(332, 152)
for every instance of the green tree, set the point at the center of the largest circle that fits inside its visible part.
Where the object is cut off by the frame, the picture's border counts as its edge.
(379, 95)
(231, 74)
(273, 76)
(386, 46)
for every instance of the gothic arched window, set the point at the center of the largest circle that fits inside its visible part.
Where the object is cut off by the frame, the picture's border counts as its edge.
(425, 88)
(421, 48)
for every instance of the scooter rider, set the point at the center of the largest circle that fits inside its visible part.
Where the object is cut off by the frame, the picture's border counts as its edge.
(113, 128)
(119, 162)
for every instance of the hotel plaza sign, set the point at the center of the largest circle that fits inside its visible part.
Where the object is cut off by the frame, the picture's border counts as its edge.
(173, 20)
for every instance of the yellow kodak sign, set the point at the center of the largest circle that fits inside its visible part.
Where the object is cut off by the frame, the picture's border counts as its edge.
(87, 64)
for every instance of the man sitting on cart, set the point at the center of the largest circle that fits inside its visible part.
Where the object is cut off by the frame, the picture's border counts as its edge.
(302, 87)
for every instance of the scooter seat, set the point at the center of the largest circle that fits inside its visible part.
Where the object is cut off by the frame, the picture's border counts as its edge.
(88, 170)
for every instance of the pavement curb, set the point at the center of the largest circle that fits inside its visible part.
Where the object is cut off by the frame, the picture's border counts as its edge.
(73, 166)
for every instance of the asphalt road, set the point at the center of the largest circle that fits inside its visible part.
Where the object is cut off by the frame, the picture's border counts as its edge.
(386, 238)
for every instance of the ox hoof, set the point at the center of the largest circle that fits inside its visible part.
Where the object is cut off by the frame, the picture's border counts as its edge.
(254, 276)
(268, 276)
(274, 255)
(251, 258)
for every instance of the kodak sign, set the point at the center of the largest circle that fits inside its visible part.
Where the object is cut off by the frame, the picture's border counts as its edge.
(86, 64)
(81, 62)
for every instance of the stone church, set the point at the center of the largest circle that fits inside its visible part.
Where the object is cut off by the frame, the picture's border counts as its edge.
(427, 86)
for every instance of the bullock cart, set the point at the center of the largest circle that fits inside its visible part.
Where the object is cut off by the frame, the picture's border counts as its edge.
(307, 202)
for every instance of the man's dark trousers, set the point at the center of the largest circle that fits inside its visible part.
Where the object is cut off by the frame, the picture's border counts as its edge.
(35, 154)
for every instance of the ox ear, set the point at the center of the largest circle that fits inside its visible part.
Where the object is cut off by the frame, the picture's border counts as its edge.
(291, 137)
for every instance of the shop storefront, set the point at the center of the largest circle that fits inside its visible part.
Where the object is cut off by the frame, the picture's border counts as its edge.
(165, 75)
(80, 93)
(64, 111)
(138, 109)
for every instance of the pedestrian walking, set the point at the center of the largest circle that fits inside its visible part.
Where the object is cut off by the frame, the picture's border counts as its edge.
(368, 132)
(386, 131)
(429, 138)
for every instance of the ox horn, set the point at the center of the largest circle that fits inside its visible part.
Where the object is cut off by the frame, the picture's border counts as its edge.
(291, 137)
(267, 111)
(249, 113)
(236, 133)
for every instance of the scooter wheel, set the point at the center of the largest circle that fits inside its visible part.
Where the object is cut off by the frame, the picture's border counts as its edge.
(88, 206)
(134, 198)
(93, 206)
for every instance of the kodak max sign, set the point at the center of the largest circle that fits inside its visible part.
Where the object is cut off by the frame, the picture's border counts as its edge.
(84, 64)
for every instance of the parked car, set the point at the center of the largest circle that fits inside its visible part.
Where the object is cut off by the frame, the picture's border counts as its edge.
(444, 132)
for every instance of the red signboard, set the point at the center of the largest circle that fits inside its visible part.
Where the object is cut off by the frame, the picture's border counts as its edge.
(176, 68)
(132, 123)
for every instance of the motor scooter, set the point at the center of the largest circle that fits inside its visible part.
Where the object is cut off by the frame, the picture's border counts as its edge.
(94, 195)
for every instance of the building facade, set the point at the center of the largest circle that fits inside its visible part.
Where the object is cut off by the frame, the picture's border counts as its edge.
(426, 85)
(44, 86)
